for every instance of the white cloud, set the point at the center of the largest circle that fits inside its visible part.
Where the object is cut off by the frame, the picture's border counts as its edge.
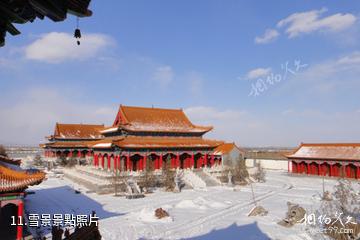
(311, 21)
(287, 128)
(330, 80)
(344, 65)
(30, 117)
(56, 47)
(196, 81)
(353, 58)
(164, 75)
(258, 72)
(269, 35)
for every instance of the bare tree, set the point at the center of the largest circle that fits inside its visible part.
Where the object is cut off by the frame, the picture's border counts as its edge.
(239, 170)
(260, 173)
(38, 160)
(149, 179)
(344, 205)
(169, 174)
(116, 182)
(346, 198)
(3, 151)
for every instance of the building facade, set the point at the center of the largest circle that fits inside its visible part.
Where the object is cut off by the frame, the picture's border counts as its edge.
(13, 182)
(334, 160)
(139, 138)
(229, 153)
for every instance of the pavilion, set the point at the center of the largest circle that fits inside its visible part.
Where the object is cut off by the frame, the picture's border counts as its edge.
(326, 159)
(13, 182)
(138, 136)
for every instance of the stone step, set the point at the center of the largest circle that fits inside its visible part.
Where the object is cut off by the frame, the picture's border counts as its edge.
(210, 182)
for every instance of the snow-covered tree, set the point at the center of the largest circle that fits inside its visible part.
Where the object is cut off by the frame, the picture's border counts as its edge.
(260, 173)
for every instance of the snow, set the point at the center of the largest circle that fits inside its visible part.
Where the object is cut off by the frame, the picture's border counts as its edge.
(147, 215)
(164, 126)
(199, 203)
(218, 213)
(113, 129)
(105, 145)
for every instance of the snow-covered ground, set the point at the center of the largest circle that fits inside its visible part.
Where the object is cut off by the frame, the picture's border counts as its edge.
(214, 213)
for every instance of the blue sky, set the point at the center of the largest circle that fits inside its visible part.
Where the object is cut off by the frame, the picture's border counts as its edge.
(202, 56)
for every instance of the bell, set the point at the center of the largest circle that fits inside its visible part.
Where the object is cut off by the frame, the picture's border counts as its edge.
(77, 33)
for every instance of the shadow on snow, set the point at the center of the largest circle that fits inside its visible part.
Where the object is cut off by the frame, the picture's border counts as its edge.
(234, 232)
(63, 200)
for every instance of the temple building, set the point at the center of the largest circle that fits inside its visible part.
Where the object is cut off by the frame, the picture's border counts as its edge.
(13, 182)
(138, 136)
(328, 159)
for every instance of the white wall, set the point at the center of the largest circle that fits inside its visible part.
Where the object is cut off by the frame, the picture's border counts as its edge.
(268, 163)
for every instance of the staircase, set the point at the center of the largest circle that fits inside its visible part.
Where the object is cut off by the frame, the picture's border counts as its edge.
(207, 178)
(193, 180)
(93, 179)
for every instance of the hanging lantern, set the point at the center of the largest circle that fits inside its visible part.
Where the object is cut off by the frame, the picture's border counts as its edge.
(77, 33)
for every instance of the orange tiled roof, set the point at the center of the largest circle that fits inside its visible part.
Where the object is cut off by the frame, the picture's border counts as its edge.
(157, 142)
(74, 144)
(77, 131)
(156, 120)
(226, 148)
(331, 151)
(13, 178)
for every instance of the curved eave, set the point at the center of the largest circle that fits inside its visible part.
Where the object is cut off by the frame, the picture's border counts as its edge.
(200, 130)
(320, 158)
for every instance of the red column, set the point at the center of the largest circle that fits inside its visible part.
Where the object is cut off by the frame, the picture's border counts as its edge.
(308, 167)
(321, 169)
(19, 229)
(79, 154)
(115, 162)
(157, 163)
(172, 162)
(144, 161)
(212, 161)
(358, 172)
(177, 163)
(94, 161)
(108, 162)
(128, 162)
(293, 167)
(102, 161)
(160, 161)
(205, 160)
(331, 170)
(192, 160)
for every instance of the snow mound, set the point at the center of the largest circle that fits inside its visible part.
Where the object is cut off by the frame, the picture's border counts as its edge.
(148, 215)
(199, 203)
(189, 204)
